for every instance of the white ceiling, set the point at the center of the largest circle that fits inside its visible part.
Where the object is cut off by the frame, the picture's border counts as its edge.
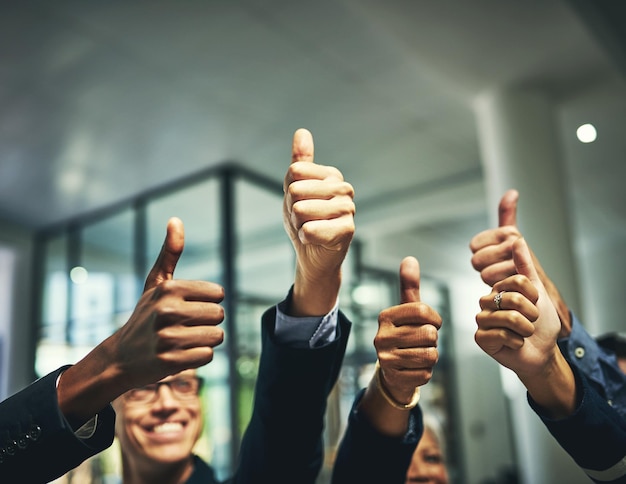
(102, 100)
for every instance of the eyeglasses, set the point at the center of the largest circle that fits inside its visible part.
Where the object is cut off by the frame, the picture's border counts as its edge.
(183, 388)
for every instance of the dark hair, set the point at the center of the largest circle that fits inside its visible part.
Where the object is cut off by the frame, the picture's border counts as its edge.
(614, 342)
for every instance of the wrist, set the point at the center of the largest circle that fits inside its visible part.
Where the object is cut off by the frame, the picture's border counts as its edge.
(384, 418)
(314, 296)
(407, 402)
(90, 385)
(553, 387)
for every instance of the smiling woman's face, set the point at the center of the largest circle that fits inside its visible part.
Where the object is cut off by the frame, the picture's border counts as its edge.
(161, 431)
(427, 464)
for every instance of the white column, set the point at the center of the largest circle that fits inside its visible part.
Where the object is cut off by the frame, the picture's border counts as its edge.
(520, 149)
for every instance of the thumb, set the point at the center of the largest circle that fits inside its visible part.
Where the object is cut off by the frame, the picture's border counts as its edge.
(302, 146)
(524, 262)
(163, 268)
(507, 210)
(409, 280)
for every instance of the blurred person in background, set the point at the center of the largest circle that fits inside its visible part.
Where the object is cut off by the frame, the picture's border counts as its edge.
(428, 464)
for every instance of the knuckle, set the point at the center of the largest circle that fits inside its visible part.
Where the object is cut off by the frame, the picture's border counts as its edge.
(334, 172)
(218, 313)
(430, 356)
(166, 342)
(379, 342)
(516, 298)
(218, 336)
(299, 209)
(167, 286)
(348, 207)
(165, 311)
(348, 189)
(292, 190)
(477, 262)
(431, 335)
(518, 279)
(385, 317)
(427, 375)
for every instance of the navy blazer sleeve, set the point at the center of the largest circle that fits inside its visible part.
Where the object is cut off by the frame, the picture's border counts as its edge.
(36, 442)
(595, 435)
(283, 441)
(366, 456)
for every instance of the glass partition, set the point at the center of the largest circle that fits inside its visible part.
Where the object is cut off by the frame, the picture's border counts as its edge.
(264, 268)
(103, 285)
(54, 348)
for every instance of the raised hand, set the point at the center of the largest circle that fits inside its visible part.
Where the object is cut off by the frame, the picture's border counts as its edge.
(406, 342)
(318, 214)
(520, 329)
(493, 256)
(173, 327)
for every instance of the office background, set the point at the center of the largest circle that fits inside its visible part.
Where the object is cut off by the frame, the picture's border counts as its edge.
(115, 116)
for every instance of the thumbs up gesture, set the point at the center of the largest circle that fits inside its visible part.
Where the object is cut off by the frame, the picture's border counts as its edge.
(406, 341)
(493, 256)
(318, 215)
(518, 325)
(174, 325)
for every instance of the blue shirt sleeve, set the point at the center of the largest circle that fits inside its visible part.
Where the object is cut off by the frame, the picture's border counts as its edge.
(599, 365)
(594, 435)
(307, 332)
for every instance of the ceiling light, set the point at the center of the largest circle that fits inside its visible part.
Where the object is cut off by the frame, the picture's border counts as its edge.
(586, 133)
(79, 275)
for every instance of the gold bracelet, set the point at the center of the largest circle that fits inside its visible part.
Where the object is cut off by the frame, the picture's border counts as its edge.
(390, 400)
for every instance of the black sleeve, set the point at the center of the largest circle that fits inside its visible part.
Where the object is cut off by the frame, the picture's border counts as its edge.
(366, 456)
(36, 442)
(283, 441)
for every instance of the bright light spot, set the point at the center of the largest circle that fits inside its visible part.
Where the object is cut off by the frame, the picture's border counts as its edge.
(365, 295)
(586, 133)
(79, 275)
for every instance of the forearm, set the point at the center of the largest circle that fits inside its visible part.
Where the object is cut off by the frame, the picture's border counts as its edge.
(314, 296)
(87, 387)
(384, 418)
(553, 388)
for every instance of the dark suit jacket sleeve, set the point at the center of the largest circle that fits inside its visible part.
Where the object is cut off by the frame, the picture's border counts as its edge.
(366, 456)
(283, 441)
(595, 435)
(36, 442)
